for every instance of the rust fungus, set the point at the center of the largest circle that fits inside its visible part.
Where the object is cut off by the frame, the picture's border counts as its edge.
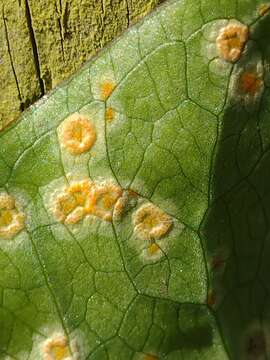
(73, 204)
(12, 221)
(109, 114)
(103, 198)
(250, 82)
(153, 249)
(78, 134)
(150, 222)
(263, 9)
(231, 41)
(56, 348)
(107, 88)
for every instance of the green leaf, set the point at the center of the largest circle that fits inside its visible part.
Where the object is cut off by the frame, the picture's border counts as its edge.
(134, 199)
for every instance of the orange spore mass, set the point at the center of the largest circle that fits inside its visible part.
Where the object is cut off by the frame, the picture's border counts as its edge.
(250, 83)
(106, 89)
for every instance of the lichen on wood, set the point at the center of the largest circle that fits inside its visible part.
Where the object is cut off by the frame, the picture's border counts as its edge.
(44, 41)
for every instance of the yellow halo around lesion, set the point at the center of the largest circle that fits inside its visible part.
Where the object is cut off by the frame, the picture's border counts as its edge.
(12, 221)
(77, 134)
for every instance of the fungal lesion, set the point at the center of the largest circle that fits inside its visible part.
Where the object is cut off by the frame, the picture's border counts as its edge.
(109, 114)
(86, 198)
(12, 220)
(231, 40)
(106, 89)
(77, 134)
(103, 198)
(57, 348)
(151, 223)
(247, 82)
(72, 204)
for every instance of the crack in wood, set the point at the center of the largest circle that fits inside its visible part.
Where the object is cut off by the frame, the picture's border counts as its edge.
(128, 13)
(61, 30)
(10, 55)
(34, 47)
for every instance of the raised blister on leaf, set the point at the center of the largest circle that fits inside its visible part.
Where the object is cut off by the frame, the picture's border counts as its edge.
(150, 222)
(71, 205)
(12, 221)
(103, 198)
(77, 134)
(231, 41)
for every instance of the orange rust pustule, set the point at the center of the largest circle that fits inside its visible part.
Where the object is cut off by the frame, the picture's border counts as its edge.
(250, 82)
(153, 249)
(231, 41)
(109, 114)
(106, 89)
(78, 134)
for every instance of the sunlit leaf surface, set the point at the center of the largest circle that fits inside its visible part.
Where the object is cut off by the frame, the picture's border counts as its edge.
(135, 198)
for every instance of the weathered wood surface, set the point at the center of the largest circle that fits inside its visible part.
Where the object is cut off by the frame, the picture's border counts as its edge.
(44, 41)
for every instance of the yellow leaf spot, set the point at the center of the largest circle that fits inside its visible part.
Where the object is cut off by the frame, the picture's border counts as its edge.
(231, 41)
(150, 222)
(78, 134)
(72, 205)
(150, 357)
(107, 88)
(102, 200)
(11, 220)
(153, 249)
(250, 82)
(56, 348)
(109, 114)
(263, 9)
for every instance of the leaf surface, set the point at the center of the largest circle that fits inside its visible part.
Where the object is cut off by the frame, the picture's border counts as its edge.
(134, 198)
